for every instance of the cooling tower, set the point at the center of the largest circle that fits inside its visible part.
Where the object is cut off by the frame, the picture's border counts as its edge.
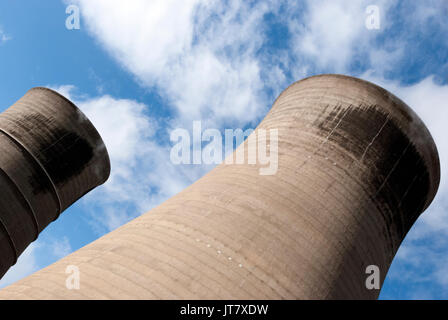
(356, 167)
(50, 156)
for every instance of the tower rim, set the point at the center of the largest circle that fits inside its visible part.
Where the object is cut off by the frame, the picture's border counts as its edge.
(410, 123)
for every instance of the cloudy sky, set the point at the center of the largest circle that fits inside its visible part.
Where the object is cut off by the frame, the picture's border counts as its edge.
(141, 68)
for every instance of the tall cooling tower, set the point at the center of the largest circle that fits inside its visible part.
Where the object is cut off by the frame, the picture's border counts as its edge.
(356, 167)
(50, 156)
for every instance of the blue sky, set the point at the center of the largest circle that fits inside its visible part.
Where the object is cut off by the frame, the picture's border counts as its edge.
(139, 69)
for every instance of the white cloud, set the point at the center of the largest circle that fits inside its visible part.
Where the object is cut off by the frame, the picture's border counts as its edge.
(200, 54)
(145, 36)
(3, 36)
(332, 35)
(420, 14)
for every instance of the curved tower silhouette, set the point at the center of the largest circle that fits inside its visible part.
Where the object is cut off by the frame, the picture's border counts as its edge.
(356, 167)
(50, 156)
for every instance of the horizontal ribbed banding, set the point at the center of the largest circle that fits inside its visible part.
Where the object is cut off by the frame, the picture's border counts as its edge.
(356, 167)
(50, 155)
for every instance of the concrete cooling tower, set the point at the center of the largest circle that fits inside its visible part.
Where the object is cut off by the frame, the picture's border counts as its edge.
(50, 156)
(356, 168)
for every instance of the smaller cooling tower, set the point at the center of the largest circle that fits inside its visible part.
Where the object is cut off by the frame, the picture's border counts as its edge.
(50, 156)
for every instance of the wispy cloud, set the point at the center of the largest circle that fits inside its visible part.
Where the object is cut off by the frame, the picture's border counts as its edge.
(201, 55)
(332, 36)
(4, 37)
(60, 247)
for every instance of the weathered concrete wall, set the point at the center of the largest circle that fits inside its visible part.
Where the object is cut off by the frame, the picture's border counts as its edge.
(50, 156)
(356, 168)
